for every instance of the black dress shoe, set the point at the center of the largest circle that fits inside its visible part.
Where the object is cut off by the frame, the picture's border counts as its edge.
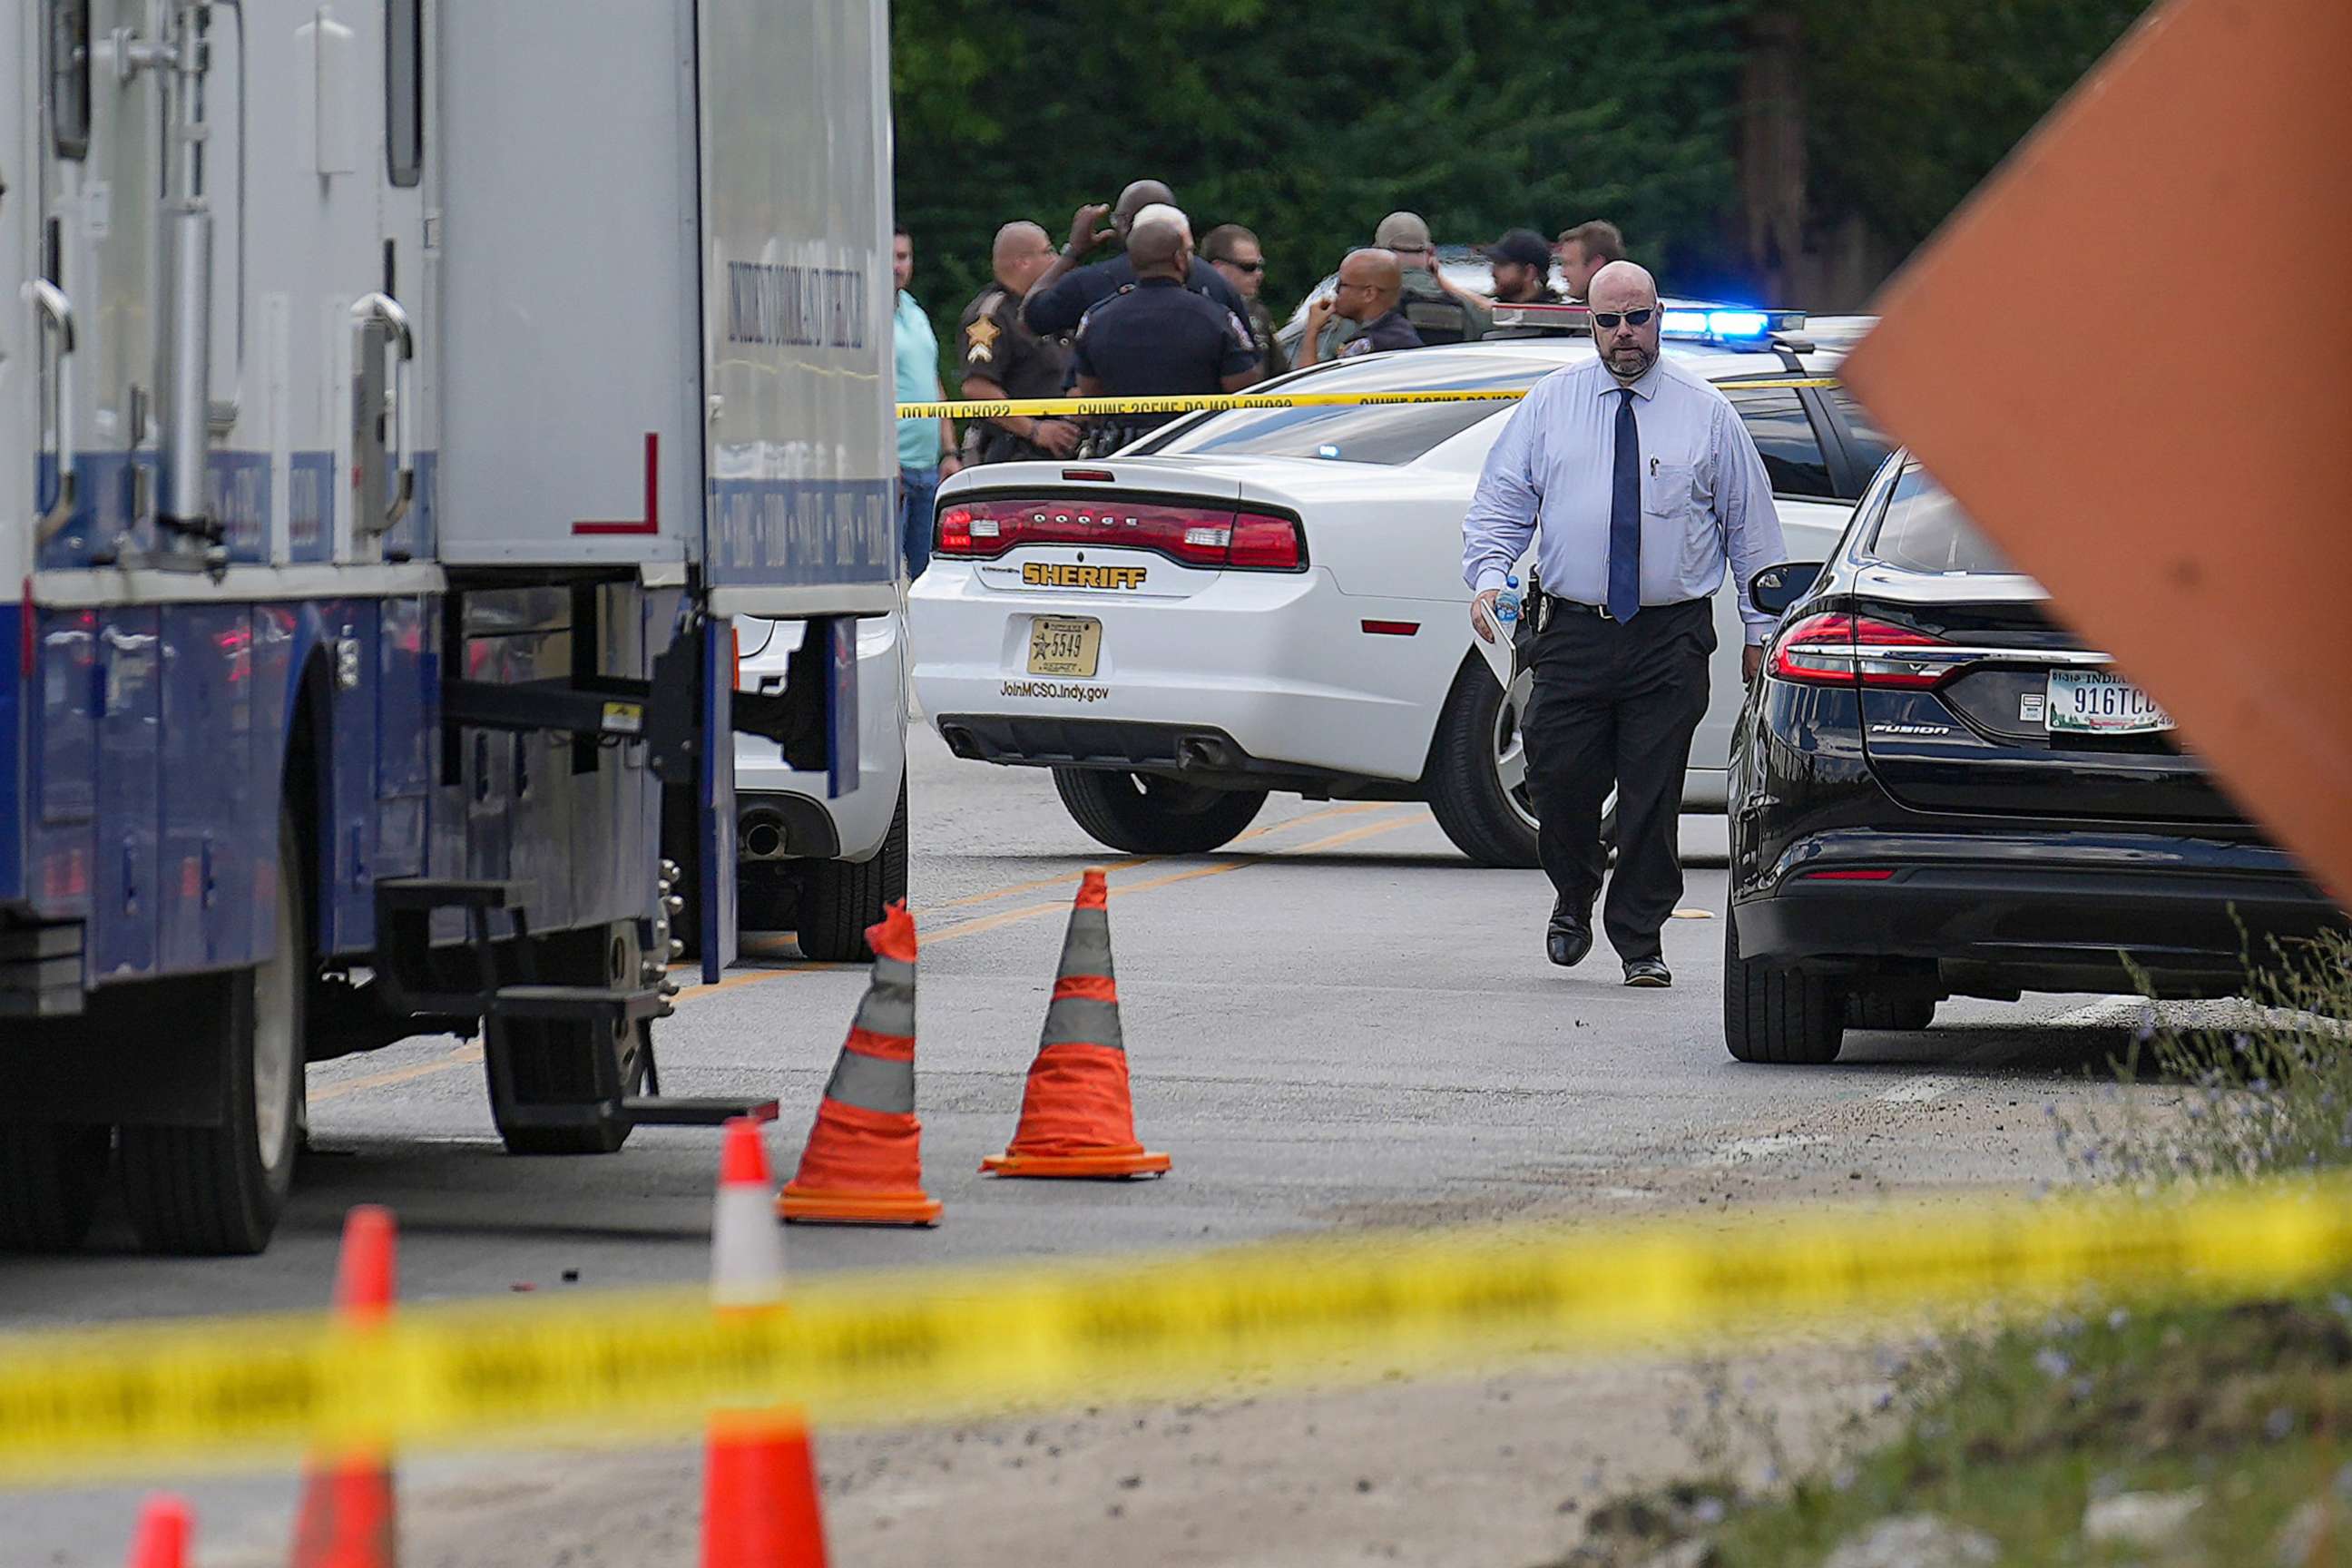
(1568, 937)
(1650, 973)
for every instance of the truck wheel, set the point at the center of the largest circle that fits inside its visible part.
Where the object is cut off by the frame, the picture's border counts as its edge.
(841, 899)
(1149, 813)
(217, 1191)
(1869, 1010)
(1477, 775)
(554, 1063)
(49, 1180)
(1772, 1014)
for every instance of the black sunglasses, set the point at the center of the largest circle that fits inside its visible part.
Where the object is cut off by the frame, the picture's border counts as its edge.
(1241, 265)
(1607, 320)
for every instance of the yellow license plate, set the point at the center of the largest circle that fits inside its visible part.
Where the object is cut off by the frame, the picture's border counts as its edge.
(1065, 645)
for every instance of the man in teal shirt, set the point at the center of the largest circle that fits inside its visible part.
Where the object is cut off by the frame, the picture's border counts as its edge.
(926, 447)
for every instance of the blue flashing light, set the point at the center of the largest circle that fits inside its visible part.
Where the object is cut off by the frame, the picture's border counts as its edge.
(1736, 323)
(1685, 324)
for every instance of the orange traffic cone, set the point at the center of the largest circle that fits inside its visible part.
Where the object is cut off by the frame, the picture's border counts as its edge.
(1076, 1117)
(163, 1538)
(347, 1518)
(864, 1160)
(760, 1506)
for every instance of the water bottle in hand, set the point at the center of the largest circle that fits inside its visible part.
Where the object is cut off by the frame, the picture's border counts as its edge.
(1507, 608)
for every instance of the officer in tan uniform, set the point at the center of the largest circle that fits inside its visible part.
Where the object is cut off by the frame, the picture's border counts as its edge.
(999, 357)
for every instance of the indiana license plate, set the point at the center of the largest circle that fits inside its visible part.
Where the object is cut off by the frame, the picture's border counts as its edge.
(2100, 702)
(1065, 645)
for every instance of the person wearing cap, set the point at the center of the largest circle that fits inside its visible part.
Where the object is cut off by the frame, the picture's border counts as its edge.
(1637, 483)
(1522, 264)
(1370, 284)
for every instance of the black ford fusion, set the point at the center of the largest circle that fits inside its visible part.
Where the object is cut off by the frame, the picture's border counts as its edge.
(1937, 791)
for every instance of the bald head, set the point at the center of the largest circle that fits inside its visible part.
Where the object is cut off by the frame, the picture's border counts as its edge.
(1160, 242)
(1622, 286)
(1143, 193)
(1022, 254)
(1370, 282)
(1628, 349)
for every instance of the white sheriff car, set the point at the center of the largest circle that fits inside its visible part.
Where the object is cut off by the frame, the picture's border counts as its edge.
(821, 866)
(1272, 600)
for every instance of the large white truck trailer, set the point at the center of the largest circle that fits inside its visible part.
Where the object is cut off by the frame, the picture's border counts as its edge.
(397, 400)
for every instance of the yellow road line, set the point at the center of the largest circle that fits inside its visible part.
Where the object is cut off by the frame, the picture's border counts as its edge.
(1003, 918)
(471, 1053)
(464, 1056)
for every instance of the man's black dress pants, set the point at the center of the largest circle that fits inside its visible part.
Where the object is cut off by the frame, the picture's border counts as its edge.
(1615, 702)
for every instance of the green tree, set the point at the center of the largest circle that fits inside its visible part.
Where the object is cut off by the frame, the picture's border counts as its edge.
(1478, 117)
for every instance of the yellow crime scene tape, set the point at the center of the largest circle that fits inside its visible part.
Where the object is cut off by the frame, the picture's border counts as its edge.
(925, 1345)
(1049, 407)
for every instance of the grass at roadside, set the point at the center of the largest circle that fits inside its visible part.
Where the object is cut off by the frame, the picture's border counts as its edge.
(2208, 1434)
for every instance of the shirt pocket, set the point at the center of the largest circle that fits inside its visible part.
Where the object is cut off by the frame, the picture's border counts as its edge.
(1670, 489)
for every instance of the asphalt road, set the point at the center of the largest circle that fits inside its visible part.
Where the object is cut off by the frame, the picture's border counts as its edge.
(1337, 1021)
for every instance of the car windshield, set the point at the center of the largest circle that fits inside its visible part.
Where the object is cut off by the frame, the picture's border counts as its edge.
(1924, 530)
(1385, 433)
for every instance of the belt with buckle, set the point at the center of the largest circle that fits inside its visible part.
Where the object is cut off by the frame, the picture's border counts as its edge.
(1554, 603)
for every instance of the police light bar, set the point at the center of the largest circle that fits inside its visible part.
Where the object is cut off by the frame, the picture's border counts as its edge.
(1728, 323)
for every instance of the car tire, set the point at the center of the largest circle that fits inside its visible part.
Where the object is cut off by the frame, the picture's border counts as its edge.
(1476, 777)
(1775, 1013)
(1871, 1010)
(50, 1182)
(840, 900)
(1151, 813)
(219, 1190)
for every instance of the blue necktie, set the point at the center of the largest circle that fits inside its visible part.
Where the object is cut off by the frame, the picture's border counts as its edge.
(1625, 515)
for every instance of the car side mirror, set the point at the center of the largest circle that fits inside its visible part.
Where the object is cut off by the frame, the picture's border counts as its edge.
(1775, 588)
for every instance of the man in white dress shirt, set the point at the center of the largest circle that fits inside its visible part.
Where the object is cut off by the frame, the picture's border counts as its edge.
(1637, 482)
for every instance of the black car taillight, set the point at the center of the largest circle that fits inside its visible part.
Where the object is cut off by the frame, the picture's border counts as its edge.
(1194, 536)
(1835, 649)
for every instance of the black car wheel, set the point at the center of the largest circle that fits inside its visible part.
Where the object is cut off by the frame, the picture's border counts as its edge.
(1148, 814)
(841, 901)
(1774, 1014)
(1870, 1010)
(1477, 775)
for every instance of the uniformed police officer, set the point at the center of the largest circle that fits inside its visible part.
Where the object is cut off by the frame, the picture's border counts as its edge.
(1156, 337)
(1000, 358)
(1067, 290)
(1238, 257)
(1370, 282)
(1636, 480)
(1434, 314)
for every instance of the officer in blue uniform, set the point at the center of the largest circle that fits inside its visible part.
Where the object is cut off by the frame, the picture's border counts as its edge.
(1067, 290)
(1156, 337)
